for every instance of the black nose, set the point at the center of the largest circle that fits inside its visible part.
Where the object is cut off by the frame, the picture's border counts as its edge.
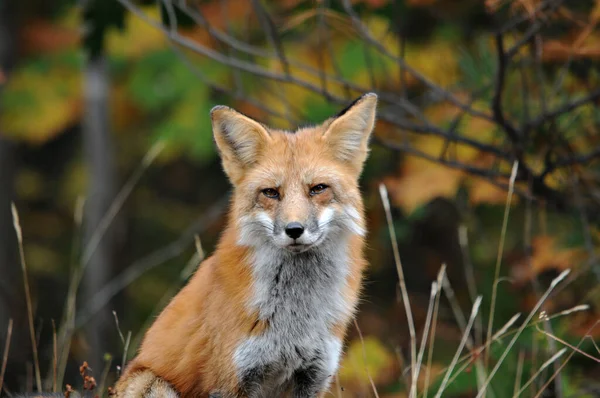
(294, 230)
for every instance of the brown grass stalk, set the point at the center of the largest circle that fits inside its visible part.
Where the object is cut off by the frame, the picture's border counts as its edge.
(6, 350)
(364, 352)
(540, 302)
(511, 188)
(436, 307)
(463, 341)
(407, 309)
(54, 357)
(36, 362)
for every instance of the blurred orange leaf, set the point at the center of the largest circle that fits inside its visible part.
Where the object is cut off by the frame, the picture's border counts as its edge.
(547, 255)
(422, 182)
(42, 36)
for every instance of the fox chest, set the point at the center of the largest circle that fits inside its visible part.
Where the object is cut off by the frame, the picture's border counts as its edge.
(300, 298)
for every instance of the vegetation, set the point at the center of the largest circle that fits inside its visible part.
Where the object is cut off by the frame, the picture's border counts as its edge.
(481, 188)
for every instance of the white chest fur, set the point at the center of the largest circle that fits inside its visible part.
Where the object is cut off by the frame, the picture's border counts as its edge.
(300, 296)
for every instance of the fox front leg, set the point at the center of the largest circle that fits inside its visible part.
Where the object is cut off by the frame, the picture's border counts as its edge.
(311, 382)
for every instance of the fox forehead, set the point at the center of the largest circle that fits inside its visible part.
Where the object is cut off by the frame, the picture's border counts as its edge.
(296, 157)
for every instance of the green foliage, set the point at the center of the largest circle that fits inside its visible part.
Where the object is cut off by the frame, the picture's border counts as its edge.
(187, 129)
(478, 67)
(159, 81)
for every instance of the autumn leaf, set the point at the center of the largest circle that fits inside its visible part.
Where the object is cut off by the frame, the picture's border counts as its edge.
(420, 184)
(42, 99)
(484, 192)
(547, 255)
(42, 36)
(370, 354)
(138, 38)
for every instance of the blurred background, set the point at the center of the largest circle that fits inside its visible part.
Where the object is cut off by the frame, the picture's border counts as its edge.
(106, 152)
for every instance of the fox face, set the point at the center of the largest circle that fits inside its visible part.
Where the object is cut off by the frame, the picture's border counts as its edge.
(295, 190)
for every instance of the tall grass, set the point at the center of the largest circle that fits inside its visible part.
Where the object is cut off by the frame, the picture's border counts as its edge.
(471, 350)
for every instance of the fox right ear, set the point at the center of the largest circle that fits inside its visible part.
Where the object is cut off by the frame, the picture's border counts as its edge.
(239, 139)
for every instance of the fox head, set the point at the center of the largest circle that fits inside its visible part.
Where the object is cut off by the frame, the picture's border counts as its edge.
(295, 190)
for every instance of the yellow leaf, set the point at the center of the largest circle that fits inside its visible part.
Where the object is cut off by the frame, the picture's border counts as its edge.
(139, 37)
(421, 185)
(41, 103)
(379, 361)
(482, 191)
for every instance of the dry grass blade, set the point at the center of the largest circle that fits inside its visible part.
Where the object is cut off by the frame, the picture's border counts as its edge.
(67, 327)
(463, 341)
(54, 357)
(505, 328)
(338, 386)
(440, 278)
(540, 370)
(105, 373)
(125, 350)
(36, 362)
(118, 202)
(432, 299)
(511, 188)
(409, 317)
(463, 241)
(562, 365)
(519, 374)
(555, 338)
(118, 327)
(462, 324)
(6, 350)
(364, 352)
(500, 334)
(537, 306)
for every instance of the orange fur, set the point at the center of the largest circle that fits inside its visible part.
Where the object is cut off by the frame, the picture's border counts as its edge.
(192, 343)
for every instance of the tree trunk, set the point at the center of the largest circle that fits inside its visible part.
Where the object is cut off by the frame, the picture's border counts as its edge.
(98, 151)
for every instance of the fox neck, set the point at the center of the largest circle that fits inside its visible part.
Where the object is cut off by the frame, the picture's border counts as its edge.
(291, 289)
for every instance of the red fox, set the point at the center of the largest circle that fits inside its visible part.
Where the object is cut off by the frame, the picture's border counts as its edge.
(266, 314)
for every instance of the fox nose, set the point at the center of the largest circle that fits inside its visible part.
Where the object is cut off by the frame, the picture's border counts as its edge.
(294, 230)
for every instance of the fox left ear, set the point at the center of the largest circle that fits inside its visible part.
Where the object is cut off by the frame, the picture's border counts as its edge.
(348, 134)
(240, 140)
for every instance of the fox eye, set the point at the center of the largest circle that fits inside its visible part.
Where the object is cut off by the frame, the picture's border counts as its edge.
(317, 189)
(270, 193)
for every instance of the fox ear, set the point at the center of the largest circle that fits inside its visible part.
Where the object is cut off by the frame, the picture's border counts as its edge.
(348, 134)
(239, 139)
